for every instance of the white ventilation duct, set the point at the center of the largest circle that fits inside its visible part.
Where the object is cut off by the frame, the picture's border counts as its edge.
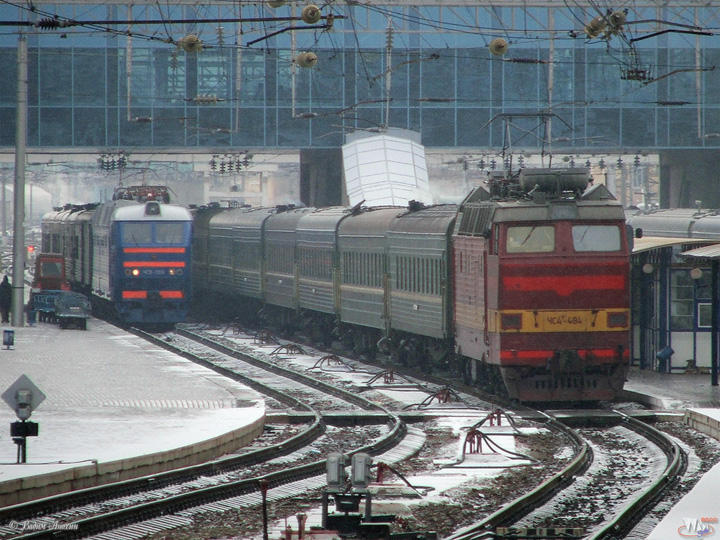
(386, 168)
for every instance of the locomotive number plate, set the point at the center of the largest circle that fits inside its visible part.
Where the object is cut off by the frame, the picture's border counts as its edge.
(565, 321)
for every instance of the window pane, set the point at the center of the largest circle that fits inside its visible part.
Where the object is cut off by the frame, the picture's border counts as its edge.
(530, 239)
(596, 238)
(704, 315)
(137, 233)
(169, 233)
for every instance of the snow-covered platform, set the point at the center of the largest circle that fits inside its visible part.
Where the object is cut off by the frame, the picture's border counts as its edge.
(672, 390)
(697, 514)
(116, 407)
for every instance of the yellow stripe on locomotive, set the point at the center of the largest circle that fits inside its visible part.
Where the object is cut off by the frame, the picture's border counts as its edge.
(568, 320)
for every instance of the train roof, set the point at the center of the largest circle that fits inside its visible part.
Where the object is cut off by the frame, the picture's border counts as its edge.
(151, 210)
(374, 221)
(677, 223)
(435, 219)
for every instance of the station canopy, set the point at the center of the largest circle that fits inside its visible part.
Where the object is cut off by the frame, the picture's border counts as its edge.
(650, 243)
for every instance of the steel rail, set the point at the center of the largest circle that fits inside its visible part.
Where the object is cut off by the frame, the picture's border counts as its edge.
(110, 520)
(677, 464)
(525, 503)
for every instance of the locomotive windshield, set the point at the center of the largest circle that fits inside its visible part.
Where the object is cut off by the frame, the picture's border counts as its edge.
(137, 233)
(538, 239)
(169, 233)
(51, 269)
(140, 233)
(596, 238)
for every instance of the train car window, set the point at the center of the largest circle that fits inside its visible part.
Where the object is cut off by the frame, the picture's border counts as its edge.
(50, 269)
(137, 233)
(596, 238)
(169, 233)
(530, 239)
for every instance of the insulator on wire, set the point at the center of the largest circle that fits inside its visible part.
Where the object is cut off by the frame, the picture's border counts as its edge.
(221, 36)
(190, 43)
(207, 99)
(310, 14)
(50, 24)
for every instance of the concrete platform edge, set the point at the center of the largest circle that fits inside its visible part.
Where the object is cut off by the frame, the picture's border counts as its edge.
(651, 401)
(33, 487)
(703, 423)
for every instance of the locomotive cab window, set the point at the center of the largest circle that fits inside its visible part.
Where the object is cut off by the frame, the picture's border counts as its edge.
(530, 239)
(50, 269)
(169, 233)
(137, 233)
(596, 238)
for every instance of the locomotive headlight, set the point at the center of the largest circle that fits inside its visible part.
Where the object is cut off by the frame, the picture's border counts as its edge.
(617, 320)
(179, 272)
(511, 321)
(135, 272)
(171, 271)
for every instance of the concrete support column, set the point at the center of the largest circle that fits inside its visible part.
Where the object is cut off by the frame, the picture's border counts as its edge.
(687, 176)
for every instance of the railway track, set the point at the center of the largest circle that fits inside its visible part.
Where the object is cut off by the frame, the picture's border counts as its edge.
(552, 510)
(664, 468)
(289, 468)
(91, 511)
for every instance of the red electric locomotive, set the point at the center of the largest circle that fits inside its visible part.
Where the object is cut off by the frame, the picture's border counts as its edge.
(541, 286)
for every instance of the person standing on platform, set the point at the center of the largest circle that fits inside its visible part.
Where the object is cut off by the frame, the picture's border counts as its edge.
(5, 299)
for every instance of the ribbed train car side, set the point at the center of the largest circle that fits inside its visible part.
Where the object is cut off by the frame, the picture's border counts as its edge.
(248, 252)
(419, 247)
(281, 268)
(201, 250)
(318, 259)
(220, 250)
(364, 269)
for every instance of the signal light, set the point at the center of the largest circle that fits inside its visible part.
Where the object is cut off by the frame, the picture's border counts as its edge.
(336, 475)
(361, 473)
(31, 249)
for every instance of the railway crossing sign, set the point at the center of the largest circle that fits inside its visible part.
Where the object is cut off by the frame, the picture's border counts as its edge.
(23, 396)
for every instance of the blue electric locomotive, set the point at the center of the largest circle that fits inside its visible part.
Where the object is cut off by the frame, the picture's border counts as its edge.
(131, 253)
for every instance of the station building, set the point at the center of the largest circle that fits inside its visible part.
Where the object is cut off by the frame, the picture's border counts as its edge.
(256, 102)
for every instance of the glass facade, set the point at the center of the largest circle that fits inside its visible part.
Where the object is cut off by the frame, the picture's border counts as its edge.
(109, 84)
